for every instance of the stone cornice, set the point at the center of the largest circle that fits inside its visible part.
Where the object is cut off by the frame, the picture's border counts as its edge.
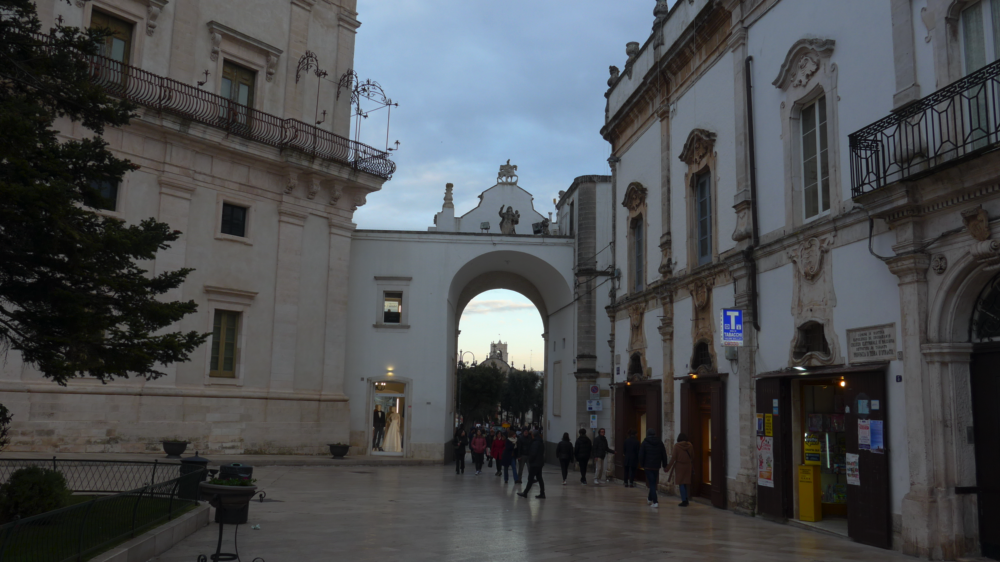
(134, 389)
(216, 27)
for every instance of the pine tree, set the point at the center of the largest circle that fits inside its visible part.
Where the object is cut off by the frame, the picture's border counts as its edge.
(74, 300)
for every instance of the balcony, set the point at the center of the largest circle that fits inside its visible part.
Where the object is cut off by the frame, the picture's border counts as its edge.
(190, 102)
(954, 124)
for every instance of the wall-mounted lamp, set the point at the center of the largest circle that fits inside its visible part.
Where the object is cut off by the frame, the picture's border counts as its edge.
(800, 368)
(843, 382)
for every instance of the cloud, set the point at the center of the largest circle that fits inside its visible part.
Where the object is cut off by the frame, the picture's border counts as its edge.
(486, 307)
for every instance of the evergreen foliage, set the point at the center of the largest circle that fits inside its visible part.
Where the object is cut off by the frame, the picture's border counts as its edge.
(481, 389)
(74, 298)
(32, 491)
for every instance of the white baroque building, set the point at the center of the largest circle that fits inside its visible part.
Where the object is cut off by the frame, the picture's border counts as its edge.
(826, 168)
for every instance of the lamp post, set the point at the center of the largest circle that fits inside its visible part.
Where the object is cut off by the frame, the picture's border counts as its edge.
(461, 355)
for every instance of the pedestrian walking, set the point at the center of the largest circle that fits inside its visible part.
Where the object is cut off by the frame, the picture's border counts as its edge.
(680, 466)
(496, 449)
(490, 438)
(536, 461)
(601, 450)
(652, 457)
(461, 441)
(510, 458)
(564, 452)
(523, 440)
(631, 458)
(478, 447)
(582, 449)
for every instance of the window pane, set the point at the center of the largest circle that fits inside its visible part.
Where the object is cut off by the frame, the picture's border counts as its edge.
(229, 360)
(216, 339)
(109, 191)
(995, 11)
(227, 88)
(974, 38)
(703, 196)
(234, 219)
(392, 308)
(824, 164)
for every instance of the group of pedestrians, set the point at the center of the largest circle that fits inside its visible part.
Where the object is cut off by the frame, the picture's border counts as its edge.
(512, 449)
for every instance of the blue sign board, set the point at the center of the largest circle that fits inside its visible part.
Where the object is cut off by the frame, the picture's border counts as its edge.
(732, 327)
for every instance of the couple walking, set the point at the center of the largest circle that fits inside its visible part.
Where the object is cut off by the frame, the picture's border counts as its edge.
(478, 444)
(651, 455)
(582, 452)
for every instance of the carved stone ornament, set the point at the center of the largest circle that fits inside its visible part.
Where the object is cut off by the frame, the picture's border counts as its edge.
(81, 3)
(987, 253)
(615, 73)
(699, 145)
(152, 13)
(802, 62)
(508, 173)
(216, 46)
(929, 23)
(939, 263)
(809, 256)
(272, 65)
(291, 181)
(314, 185)
(336, 193)
(637, 339)
(632, 50)
(977, 221)
(359, 200)
(699, 293)
(635, 196)
(743, 230)
(666, 268)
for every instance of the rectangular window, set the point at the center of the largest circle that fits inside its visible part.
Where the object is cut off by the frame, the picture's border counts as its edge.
(234, 220)
(815, 160)
(118, 45)
(224, 337)
(638, 255)
(237, 87)
(703, 217)
(392, 310)
(109, 191)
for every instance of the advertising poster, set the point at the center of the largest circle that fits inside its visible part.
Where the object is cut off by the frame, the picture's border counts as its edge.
(864, 435)
(760, 424)
(769, 425)
(853, 471)
(765, 461)
(878, 441)
(813, 450)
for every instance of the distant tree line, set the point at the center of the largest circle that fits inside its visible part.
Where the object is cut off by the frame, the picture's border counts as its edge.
(486, 394)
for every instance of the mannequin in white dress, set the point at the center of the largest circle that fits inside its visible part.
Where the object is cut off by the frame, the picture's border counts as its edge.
(393, 437)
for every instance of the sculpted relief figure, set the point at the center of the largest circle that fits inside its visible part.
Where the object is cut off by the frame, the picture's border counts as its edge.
(508, 220)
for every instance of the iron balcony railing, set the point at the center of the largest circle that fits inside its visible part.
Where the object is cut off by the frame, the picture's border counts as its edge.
(190, 102)
(959, 121)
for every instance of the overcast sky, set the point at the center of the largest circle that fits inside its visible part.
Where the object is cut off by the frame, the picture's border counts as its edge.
(479, 82)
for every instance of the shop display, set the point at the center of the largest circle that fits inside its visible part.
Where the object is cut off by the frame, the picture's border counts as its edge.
(825, 439)
(393, 435)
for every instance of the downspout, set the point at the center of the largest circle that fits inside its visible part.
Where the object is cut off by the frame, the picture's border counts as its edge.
(755, 239)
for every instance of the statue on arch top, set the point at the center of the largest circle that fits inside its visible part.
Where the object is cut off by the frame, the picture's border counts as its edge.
(508, 220)
(508, 173)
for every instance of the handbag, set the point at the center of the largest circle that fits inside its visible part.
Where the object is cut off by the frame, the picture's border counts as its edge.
(489, 463)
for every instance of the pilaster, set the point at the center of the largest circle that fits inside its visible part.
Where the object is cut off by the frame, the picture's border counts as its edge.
(337, 281)
(291, 223)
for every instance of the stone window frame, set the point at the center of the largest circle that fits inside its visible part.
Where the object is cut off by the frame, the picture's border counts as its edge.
(134, 12)
(228, 44)
(635, 203)
(806, 75)
(119, 211)
(231, 300)
(949, 54)
(701, 158)
(233, 199)
(390, 284)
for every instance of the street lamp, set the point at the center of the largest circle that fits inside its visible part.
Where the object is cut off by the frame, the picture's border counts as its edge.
(461, 355)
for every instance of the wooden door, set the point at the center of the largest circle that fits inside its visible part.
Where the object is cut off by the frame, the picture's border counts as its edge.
(985, 372)
(776, 501)
(620, 431)
(691, 427)
(869, 520)
(718, 399)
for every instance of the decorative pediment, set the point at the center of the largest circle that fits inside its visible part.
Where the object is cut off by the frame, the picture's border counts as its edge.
(802, 62)
(699, 145)
(635, 196)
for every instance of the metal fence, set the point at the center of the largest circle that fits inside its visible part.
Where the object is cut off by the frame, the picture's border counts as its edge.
(191, 102)
(80, 531)
(959, 121)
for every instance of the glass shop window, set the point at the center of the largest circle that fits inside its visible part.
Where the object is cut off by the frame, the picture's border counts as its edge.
(392, 310)
(825, 441)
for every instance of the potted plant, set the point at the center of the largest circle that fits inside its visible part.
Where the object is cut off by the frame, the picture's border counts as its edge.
(338, 450)
(174, 448)
(230, 498)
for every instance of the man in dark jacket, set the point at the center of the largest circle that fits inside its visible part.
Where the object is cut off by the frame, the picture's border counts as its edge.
(601, 450)
(652, 457)
(564, 452)
(583, 448)
(523, 442)
(536, 460)
(631, 454)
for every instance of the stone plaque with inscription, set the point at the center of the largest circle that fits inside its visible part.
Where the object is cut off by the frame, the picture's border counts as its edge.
(873, 343)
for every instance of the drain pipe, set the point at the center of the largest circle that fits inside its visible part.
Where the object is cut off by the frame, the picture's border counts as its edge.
(755, 240)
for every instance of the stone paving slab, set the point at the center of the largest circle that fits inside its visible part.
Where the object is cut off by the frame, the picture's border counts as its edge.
(428, 513)
(252, 460)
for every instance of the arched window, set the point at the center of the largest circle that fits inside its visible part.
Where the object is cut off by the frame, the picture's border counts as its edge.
(812, 339)
(986, 317)
(637, 257)
(702, 356)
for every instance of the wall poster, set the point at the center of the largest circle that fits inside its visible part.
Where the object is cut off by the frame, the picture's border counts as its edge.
(853, 470)
(864, 435)
(877, 438)
(765, 461)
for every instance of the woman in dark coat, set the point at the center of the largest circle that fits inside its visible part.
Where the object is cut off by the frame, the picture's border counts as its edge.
(460, 443)
(680, 463)
(478, 446)
(582, 449)
(496, 449)
(564, 452)
(631, 454)
(509, 458)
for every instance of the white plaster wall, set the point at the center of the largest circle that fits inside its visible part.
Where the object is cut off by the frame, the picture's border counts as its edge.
(683, 346)
(723, 297)
(923, 52)
(488, 210)
(640, 163)
(777, 323)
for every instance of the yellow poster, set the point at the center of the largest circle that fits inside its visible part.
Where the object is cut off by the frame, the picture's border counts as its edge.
(812, 449)
(768, 425)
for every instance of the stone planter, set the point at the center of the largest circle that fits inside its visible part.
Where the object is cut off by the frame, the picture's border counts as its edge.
(338, 451)
(174, 449)
(231, 503)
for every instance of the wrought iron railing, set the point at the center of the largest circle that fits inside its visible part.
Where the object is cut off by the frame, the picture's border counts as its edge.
(959, 121)
(191, 102)
(80, 531)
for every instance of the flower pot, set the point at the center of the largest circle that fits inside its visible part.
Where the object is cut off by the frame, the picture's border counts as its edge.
(174, 449)
(338, 451)
(231, 503)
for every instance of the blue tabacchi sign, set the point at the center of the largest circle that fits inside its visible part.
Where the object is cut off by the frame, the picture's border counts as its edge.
(732, 327)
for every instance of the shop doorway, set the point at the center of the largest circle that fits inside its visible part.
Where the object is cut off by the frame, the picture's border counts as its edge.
(638, 406)
(985, 373)
(388, 412)
(703, 421)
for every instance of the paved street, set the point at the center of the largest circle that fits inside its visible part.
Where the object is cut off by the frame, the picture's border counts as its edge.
(428, 513)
